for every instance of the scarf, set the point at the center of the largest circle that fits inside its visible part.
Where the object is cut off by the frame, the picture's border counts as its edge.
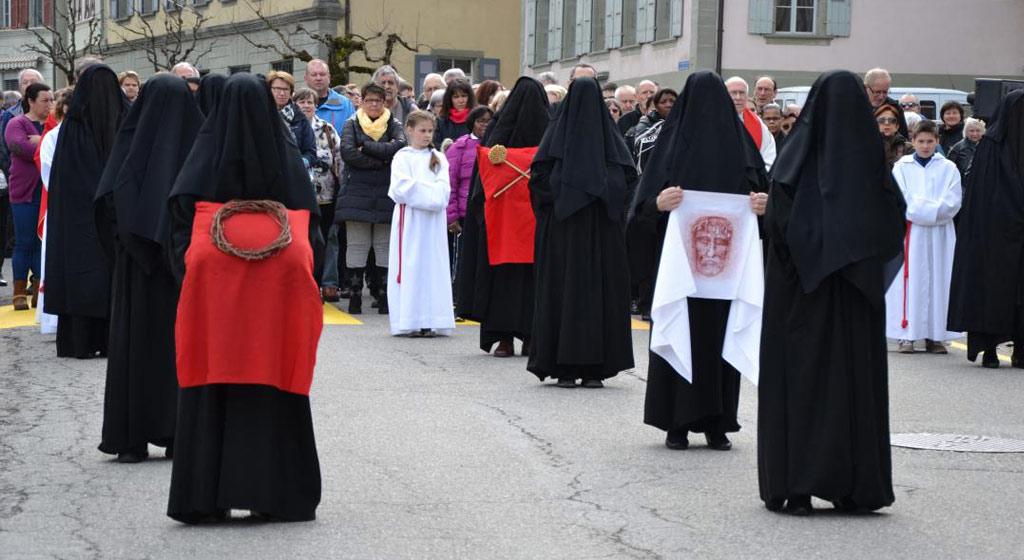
(458, 116)
(374, 128)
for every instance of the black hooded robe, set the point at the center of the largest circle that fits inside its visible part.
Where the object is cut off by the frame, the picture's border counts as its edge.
(578, 186)
(987, 290)
(141, 397)
(835, 218)
(702, 146)
(77, 270)
(242, 446)
(500, 297)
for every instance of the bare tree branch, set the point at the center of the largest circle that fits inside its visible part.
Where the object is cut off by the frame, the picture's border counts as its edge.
(59, 41)
(178, 41)
(339, 47)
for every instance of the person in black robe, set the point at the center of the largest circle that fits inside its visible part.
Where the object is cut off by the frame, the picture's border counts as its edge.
(578, 186)
(211, 87)
(702, 146)
(242, 446)
(77, 270)
(500, 297)
(141, 394)
(987, 291)
(835, 220)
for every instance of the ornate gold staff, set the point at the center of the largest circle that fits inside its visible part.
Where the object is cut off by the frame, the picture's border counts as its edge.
(499, 155)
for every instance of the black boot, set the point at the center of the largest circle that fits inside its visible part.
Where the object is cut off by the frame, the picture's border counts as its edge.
(355, 298)
(989, 359)
(382, 295)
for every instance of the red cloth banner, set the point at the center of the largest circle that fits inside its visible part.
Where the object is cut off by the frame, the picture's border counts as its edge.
(248, 322)
(508, 212)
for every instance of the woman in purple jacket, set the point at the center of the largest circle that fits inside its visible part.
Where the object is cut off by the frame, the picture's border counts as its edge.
(461, 164)
(23, 134)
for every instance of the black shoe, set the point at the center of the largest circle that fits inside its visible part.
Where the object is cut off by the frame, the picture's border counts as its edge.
(718, 441)
(845, 505)
(799, 505)
(428, 333)
(646, 317)
(355, 304)
(169, 451)
(382, 305)
(1015, 359)
(375, 304)
(566, 382)
(592, 383)
(355, 297)
(133, 456)
(634, 307)
(677, 440)
(774, 504)
(989, 359)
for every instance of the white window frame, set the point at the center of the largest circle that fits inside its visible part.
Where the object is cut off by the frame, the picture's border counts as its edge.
(793, 10)
(5, 14)
(38, 11)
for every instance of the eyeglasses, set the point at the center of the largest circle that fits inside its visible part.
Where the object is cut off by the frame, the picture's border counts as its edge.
(281, 89)
(886, 120)
(372, 101)
(878, 91)
(908, 105)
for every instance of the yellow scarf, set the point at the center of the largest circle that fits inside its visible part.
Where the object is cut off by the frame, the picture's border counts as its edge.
(374, 128)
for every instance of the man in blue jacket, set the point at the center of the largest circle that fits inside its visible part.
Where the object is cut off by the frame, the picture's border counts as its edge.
(332, 106)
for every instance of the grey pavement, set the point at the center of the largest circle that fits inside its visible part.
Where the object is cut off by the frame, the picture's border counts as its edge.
(431, 449)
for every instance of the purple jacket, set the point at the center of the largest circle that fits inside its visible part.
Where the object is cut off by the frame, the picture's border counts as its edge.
(461, 160)
(24, 175)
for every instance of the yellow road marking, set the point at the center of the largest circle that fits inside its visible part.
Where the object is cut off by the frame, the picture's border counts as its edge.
(9, 318)
(639, 325)
(335, 316)
(962, 346)
(466, 323)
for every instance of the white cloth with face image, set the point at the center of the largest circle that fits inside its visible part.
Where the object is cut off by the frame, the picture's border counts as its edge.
(711, 251)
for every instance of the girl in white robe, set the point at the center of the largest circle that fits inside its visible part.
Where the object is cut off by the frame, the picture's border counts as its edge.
(918, 299)
(419, 281)
(47, 322)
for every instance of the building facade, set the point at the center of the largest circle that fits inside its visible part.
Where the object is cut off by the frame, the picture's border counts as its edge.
(16, 18)
(923, 43)
(444, 34)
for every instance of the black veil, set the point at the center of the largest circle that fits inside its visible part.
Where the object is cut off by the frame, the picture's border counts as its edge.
(151, 147)
(834, 165)
(588, 152)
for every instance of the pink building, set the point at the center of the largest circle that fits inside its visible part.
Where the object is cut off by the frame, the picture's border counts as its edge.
(936, 43)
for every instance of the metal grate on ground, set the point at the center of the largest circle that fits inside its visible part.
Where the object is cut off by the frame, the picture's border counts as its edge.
(958, 442)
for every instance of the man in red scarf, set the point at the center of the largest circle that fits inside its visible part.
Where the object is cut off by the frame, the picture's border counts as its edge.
(739, 91)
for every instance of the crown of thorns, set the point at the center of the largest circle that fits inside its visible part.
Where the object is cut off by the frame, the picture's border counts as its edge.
(273, 208)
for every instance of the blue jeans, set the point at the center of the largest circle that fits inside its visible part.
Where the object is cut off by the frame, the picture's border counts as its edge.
(27, 247)
(330, 277)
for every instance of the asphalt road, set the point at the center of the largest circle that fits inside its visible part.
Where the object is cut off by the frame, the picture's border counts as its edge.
(431, 449)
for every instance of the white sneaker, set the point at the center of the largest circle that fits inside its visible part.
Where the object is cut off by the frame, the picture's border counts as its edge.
(906, 347)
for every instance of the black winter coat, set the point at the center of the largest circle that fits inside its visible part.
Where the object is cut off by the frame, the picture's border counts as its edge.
(367, 175)
(302, 130)
(446, 128)
(962, 153)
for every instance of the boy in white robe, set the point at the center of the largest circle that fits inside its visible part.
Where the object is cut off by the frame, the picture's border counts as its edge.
(419, 280)
(918, 299)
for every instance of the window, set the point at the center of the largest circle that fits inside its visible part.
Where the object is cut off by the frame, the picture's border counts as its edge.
(287, 65)
(86, 9)
(629, 22)
(5, 14)
(794, 16)
(173, 5)
(238, 69)
(662, 19)
(540, 53)
(149, 7)
(35, 13)
(448, 62)
(597, 16)
(120, 9)
(569, 28)
(10, 84)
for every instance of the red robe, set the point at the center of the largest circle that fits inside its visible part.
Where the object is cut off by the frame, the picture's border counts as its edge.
(753, 126)
(510, 222)
(248, 322)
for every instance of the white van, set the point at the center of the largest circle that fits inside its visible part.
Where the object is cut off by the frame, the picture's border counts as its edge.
(931, 99)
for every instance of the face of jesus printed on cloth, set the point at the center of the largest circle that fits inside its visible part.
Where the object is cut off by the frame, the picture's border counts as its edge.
(711, 239)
